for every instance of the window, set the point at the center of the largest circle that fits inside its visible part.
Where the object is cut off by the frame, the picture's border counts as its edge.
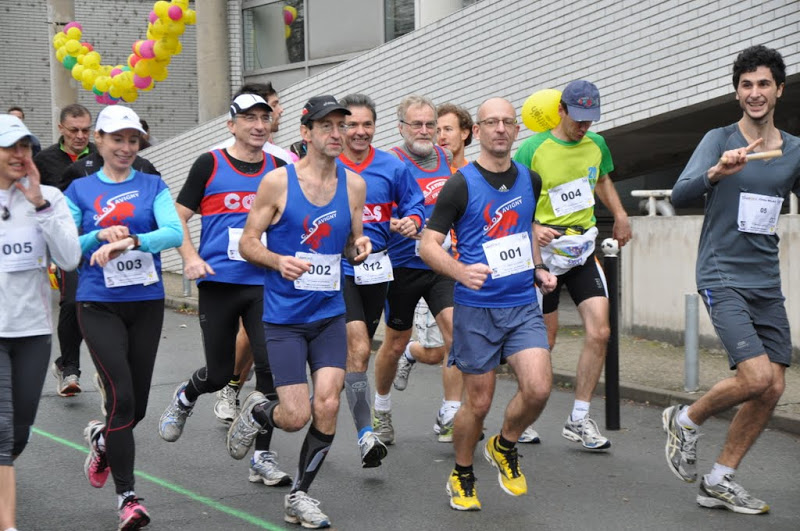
(268, 40)
(399, 18)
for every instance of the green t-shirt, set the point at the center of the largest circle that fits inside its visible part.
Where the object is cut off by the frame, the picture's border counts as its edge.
(559, 162)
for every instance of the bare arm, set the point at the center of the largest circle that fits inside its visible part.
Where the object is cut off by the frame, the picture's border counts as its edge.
(430, 250)
(358, 246)
(194, 267)
(266, 210)
(608, 195)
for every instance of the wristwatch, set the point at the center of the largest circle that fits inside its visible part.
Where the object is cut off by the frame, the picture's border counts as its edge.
(43, 206)
(135, 239)
(541, 266)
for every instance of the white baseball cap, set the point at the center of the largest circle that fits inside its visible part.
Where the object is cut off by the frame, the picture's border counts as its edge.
(115, 118)
(12, 129)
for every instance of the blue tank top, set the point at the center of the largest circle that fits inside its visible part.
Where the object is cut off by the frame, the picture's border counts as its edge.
(305, 227)
(492, 214)
(103, 204)
(404, 251)
(229, 195)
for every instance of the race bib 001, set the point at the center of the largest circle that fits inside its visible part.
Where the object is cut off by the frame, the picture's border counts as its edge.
(509, 255)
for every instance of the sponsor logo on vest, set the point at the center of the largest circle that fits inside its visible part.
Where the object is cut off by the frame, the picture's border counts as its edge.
(116, 210)
(376, 213)
(233, 201)
(503, 220)
(320, 228)
(432, 188)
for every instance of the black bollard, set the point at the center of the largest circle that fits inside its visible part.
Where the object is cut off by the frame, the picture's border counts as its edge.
(610, 249)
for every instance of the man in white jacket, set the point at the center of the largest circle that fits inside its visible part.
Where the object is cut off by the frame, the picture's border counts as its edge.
(35, 227)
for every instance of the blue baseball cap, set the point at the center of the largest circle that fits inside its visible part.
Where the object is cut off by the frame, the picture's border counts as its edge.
(583, 101)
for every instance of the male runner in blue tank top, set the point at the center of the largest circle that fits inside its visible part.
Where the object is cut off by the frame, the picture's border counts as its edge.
(221, 187)
(738, 276)
(491, 203)
(413, 279)
(304, 310)
(388, 182)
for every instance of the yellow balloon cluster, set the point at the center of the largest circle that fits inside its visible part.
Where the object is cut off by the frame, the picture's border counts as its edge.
(145, 66)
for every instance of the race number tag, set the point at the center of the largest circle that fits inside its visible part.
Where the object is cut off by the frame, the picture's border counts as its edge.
(22, 249)
(571, 197)
(325, 273)
(509, 255)
(445, 244)
(758, 214)
(375, 269)
(130, 269)
(234, 235)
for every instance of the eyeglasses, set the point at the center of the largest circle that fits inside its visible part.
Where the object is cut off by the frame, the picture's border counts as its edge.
(494, 122)
(328, 127)
(253, 118)
(416, 126)
(76, 130)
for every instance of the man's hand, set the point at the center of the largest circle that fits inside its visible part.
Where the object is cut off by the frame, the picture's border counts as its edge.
(114, 233)
(362, 246)
(405, 227)
(622, 230)
(474, 275)
(731, 161)
(547, 280)
(291, 268)
(196, 267)
(544, 235)
(109, 251)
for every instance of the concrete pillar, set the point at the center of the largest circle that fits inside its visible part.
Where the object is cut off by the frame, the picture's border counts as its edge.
(62, 91)
(429, 11)
(213, 59)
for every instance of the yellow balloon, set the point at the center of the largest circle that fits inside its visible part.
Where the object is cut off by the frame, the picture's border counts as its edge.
(160, 76)
(540, 110)
(142, 68)
(61, 53)
(80, 58)
(161, 51)
(161, 8)
(102, 83)
(189, 16)
(130, 95)
(183, 3)
(287, 31)
(86, 86)
(88, 75)
(72, 47)
(77, 72)
(170, 42)
(92, 60)
(59, 40)
(74, 33)
(157, 29)
(114, 91)
(174, 28)
(178, 49)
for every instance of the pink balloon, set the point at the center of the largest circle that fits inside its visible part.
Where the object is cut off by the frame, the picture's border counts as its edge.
(287, 17)
(175, 12)
(152, 17)
(147, 50)
(141, 82)
(73, 25)
(115, 72)
(100, 99)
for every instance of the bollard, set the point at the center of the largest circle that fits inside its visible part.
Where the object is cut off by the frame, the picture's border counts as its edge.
(610, 248)
(691, 360)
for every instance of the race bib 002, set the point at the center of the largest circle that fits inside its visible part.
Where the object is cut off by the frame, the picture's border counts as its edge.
(325, 273)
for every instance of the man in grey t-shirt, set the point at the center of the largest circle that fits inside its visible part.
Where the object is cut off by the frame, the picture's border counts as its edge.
(738, 276)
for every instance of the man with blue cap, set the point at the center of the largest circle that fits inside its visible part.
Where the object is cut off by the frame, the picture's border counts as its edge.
(575, 164)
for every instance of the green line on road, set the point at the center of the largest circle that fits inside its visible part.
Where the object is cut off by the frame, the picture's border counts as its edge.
(254, 520)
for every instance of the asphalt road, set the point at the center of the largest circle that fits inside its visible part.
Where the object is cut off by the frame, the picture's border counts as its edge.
(192, 484)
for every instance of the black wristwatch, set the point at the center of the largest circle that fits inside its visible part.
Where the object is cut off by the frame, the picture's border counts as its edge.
(541, 266)
(43, 206)
(135, 239)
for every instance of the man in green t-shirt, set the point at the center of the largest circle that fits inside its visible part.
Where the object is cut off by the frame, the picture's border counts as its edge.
(574, 164)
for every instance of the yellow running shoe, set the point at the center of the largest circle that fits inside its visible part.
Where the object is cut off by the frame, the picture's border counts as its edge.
(507, 464)
(463, 496)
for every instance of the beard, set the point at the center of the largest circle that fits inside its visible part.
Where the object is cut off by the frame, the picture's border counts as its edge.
(422, 148)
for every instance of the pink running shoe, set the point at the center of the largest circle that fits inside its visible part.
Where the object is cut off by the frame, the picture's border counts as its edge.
(96, 466)
(133, 514)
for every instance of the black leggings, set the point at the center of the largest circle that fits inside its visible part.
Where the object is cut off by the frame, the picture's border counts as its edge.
(122, 338)
(23, 366)
(220, 306)
(69, 333)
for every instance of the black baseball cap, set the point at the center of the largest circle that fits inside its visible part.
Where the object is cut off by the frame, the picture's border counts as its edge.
(320, 107)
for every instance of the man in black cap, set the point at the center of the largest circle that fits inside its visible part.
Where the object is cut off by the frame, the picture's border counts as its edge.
(304, 310)
(574, 164)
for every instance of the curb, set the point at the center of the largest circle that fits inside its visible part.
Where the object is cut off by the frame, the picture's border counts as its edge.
(785, 422)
